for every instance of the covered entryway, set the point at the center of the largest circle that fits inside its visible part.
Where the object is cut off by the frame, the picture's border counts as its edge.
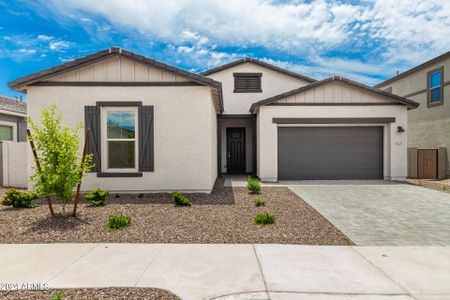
(236, 139)
(314, 153)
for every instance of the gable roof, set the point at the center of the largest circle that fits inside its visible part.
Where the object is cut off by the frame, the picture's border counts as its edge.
(416, 68)
(257, 62)
(13, 105)
(411, 104)
(103, 54)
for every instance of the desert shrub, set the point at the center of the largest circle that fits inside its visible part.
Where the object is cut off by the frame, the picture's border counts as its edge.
(253, 185)
(116, 222)
(180, 199)
(58, 295)
(97, 197)
(259, 202)
(19, 199)
(264, 219)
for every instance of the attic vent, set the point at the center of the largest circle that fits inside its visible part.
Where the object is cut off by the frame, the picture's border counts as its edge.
(247, 82)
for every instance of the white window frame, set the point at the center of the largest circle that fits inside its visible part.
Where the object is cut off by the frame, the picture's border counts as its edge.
(104, 138)
(14, 130)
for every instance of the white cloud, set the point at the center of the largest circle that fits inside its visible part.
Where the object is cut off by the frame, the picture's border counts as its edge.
(26, 51)
(59, 45)
(365, 35)
(44, 37)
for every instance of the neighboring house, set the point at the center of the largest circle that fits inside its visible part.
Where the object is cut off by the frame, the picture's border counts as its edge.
(429, 85)
(13, 126)
(155, 127)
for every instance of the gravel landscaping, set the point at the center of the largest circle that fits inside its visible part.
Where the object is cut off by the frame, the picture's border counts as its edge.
(224, 216)
(93, 294)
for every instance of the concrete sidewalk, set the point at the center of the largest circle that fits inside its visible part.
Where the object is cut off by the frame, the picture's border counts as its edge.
(237, 271)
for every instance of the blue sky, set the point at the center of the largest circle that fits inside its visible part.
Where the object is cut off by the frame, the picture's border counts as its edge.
(366, 41)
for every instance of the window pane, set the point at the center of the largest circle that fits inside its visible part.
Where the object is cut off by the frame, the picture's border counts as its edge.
(5, 133)
(121, 155)
(435, 79)
(121, 124)
(435, 95)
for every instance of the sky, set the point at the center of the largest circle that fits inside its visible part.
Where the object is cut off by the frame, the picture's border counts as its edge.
(367, 41)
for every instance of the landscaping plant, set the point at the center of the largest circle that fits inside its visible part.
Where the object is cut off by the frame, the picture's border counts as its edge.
(116, 222)
(19, 199)
(259, 202)
(60, 162)
(264, 219)
(97, 197)
(253, 185)
(180, 199)
(57, 295)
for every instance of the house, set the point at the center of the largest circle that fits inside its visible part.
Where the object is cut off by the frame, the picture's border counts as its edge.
(429, 85)
(155, 127)
(13, 125)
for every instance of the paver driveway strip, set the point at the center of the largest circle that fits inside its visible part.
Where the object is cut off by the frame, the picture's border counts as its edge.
(382, 214)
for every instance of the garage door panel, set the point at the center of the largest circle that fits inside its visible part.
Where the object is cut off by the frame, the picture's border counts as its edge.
(330, 152)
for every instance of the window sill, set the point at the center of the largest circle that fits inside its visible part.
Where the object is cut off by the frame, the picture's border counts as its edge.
(119, 174)
(433, 104)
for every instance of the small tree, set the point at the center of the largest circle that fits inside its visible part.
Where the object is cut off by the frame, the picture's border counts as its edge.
(59, 157)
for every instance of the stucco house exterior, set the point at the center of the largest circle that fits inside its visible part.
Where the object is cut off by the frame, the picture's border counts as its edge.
(155, 127)
(429, 85)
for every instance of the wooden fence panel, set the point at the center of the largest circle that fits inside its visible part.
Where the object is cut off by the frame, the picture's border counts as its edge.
(427, 163)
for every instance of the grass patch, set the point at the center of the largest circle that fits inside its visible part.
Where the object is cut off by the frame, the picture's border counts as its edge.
(259, 202)
(264, 219)
(253, 185)
(57, 295)
(97, 197)
(180, 200)
(19, 199)
(117, 222)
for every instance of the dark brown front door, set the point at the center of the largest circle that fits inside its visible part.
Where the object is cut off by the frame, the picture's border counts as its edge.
(235, 150)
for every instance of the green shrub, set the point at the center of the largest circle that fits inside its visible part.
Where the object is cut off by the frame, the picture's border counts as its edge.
(180, 199)
(97, 197)
(253, 185)
(57, 295)
(259, 202)
(264, 219)
(19, 199)
(117, 222)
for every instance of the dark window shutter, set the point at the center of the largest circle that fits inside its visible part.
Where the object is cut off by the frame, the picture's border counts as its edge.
(146, 153)
(92, 121)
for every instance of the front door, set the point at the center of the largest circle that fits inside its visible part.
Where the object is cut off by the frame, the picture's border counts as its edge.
(235, 150)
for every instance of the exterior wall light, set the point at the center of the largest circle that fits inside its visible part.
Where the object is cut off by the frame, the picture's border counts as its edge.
(400, 129)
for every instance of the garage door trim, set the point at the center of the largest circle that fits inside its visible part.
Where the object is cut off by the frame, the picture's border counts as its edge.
(333, 120)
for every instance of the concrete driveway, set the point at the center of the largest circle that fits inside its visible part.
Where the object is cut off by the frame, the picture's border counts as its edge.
(382, 213)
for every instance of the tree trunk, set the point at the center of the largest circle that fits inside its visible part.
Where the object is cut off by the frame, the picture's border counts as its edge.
(38, 166)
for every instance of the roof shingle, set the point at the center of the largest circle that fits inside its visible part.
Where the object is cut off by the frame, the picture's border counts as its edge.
(13, 105)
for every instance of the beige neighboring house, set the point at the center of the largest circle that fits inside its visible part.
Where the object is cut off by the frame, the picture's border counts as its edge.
(13, 167)
(155, 127)
(429, 85)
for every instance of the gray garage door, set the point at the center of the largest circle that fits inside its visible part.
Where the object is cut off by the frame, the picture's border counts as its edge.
(311, 153)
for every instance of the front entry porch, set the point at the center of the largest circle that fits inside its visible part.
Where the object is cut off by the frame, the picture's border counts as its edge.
(236, 144)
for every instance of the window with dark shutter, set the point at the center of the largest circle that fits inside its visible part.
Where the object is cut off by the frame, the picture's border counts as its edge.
(119, 125)
(247, 82)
